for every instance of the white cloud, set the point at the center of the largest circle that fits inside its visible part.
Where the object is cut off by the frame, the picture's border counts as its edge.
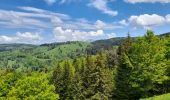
(107, 26)
(36, 12)
(7, 39)
(32, 9)
(100, 24)
(26, 37)
(50, 2)
(147, 1)
(111, 35)
(123, 22)
(62, 35)
(168, 18)
(147, 21)
(17, 19)
(102, 6)
(56, 21)
(30, 18)
(34, 18)
(83, 24)
(43, 20)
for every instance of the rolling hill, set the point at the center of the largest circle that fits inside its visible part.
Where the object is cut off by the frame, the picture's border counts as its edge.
(36, 56)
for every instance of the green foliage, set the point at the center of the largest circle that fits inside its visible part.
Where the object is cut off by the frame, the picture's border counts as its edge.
(62, 79)
(90, 80)
(161, 97)
(14, 86)
(36, 58)
(149, 63)
(138, 68)
(123, 90)
(146, 65)
(7, 81)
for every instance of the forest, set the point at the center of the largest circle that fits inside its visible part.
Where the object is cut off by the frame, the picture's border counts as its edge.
(125, 68)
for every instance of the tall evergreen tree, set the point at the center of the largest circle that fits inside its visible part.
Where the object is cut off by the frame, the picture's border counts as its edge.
(63, 80)
(97, 79)
(57, 79)
(105, 81)
(166, 85)
(67, 77)
(124, 70)
(148, 57)
(122, 82)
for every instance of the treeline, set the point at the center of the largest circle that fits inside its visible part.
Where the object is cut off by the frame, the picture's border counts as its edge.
(23, 57)
(136, 69)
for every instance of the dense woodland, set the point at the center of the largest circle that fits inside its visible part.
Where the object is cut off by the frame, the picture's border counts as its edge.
(115, 69)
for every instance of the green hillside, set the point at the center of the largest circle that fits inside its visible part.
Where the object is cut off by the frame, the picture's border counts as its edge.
(38, 56)
(161, 97)
(11, 47)
(16, 56)
(115, 69)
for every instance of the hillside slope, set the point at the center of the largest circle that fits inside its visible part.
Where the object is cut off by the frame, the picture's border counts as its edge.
(26, 56)
(161, 97)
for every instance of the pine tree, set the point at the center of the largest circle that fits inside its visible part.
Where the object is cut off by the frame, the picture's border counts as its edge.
(57, 79)
(166, 85)
(97, 79)
(67, 77)
(150, 64)
(62, 78)
(77, 87)
(122, 85)
(89, 78)
(105, 81)
(142, 68)
(77, 64)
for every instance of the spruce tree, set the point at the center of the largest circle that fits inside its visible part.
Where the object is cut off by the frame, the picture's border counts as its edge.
(97, 79)
(105, 81)
(122, 86)
(150, 64)
(62, 78)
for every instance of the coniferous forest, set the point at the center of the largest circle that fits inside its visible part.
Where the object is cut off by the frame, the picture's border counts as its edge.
(127, 68)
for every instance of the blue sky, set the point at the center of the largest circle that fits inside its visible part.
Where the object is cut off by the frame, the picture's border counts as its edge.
(46, 21)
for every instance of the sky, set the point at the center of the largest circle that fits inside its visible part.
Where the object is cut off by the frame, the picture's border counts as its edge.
(47, 21)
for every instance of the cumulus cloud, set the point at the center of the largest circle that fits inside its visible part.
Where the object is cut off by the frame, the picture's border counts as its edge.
(26, 37)
(168, 18)
(107, 26)
(7, 39)
(100, 24)
(147, 21)
(83, 24)
(102, 6)
(147, 1)
(62, 35)
(43, 20)
(123, 22)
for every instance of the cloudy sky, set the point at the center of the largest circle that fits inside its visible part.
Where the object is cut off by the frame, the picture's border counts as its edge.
(46, 21)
